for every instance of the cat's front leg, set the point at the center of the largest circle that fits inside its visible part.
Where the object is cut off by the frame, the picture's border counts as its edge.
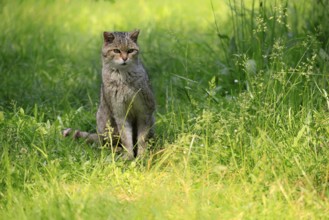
(144, 128)
(126, 139)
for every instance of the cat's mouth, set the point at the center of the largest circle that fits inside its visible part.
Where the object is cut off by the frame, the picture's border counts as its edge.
(123, 64)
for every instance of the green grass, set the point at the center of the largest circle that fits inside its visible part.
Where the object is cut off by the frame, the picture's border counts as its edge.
(242, 111)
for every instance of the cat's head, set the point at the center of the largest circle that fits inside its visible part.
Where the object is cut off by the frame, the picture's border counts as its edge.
(120, 49)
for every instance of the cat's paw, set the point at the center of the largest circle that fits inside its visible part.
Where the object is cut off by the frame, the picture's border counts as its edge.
(128, 156)
(141, 152)
(117, 149)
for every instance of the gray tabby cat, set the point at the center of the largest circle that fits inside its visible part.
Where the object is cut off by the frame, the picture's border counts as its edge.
(126, 100)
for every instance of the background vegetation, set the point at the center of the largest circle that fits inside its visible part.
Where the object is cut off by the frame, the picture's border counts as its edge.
(242, 110)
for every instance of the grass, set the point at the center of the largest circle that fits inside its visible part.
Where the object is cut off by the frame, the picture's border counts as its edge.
(242, 111)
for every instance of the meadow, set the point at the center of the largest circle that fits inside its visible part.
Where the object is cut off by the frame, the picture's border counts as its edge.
(242, 126)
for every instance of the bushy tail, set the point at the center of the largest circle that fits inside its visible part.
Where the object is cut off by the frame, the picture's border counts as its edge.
(89, 137)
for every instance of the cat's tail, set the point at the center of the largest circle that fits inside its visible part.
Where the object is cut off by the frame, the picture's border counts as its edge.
(89, 137)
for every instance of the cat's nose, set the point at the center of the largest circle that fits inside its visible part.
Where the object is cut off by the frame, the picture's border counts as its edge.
(124, 56)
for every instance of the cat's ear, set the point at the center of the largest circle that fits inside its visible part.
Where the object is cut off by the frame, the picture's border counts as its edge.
(108, 37)
(134, 35)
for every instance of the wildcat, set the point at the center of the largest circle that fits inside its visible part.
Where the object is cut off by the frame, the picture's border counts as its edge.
(127, 102)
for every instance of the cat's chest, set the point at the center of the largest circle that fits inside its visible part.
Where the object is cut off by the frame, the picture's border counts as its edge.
(122, 84)
(123, 89)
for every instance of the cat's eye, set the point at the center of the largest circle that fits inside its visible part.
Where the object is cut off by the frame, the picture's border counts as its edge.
(116, 51)
(130, 50)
